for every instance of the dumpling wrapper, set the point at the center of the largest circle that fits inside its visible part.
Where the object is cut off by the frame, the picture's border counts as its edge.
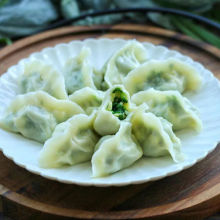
(155, 135)
(98, 79)
(115, 108)
(40, 76)
(36, 114)
(89, 99)
(72, 142)
(123, 61)
(115, 152)
(172, 106)
(78, 72)
(170, 74)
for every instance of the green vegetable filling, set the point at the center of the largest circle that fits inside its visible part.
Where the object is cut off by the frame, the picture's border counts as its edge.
(119, 104)
(156, 79)
(175, 104)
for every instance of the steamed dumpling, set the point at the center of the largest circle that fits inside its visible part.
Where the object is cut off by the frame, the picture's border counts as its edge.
(72, 142)
(115, 152)
(98, 79)
(114, 109)
(33, 122)
(78, 72)
(88, 98)
(172, 106)
(36, 114)
(170, 74)
(123, 61)
(40, 76)
(155, 135)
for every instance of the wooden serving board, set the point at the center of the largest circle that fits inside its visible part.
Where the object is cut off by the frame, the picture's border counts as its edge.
(192, 194)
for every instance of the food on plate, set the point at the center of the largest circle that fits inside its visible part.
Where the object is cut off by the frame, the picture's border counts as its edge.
(88, 98)
(115, 152)
(78, 72)
(155, 135)
(38, 75)
(72, 142)
(172, 106)
(36, 114)
(98, 79)
(113, 116)
(168, 74)
(115, 108)
(123, 61)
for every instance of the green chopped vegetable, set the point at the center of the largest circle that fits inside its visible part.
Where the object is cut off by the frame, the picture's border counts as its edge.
(5, 40)
(156, 79)
(196, 31)
(183, 28)
(119, 104)
(3, 2)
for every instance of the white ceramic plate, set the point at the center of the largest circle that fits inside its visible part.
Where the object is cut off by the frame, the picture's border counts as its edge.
(24, 152)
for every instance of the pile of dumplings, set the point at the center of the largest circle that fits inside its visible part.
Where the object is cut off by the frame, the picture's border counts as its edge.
(113, 116)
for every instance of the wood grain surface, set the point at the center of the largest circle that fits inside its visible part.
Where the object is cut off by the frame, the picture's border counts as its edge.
(192, 194)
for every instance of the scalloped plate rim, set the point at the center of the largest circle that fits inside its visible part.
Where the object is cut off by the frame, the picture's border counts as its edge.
(180, 168)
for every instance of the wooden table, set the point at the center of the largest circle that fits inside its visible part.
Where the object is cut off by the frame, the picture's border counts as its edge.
(192, 194)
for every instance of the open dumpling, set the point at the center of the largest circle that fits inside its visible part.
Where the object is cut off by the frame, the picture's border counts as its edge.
(88, 98)
(36, 114)
(40, 76)
(115, 152)
(114, 109)
(172, 106)
(155, 135)
(78, 72)
(123, 61)
(170, 74)
(72, 142)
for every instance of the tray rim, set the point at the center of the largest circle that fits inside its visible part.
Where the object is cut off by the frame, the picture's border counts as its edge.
(14, 196)
(32, 169)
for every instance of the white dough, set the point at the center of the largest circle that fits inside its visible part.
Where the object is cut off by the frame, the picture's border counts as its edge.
(172, 106)
(78, 72)
(123, 61)
(88, 98)
(35, 113)
(40, 76)
(115, 152)
(72, 142)
(107, 120)
(155, 135)
(170, 74)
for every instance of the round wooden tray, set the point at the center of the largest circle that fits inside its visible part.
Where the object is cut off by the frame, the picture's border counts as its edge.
(192, 194)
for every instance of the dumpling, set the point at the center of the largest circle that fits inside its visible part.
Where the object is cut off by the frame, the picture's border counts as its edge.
(78, 72)
(172, 106)
(40, 76)
(72, 142)
(114, 109)
(155, 135)
(36, 114)
(32, 122)
(115, 152)
(88, 98)
(170, 74)
(123, 61)
(98, 79)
